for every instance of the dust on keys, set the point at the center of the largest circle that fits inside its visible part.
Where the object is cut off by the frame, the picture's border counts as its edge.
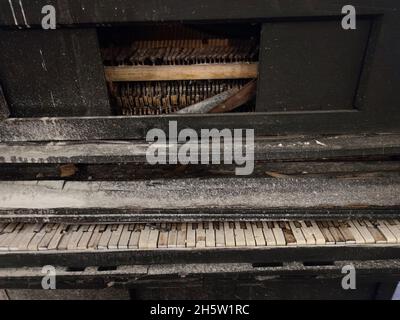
(196, 236)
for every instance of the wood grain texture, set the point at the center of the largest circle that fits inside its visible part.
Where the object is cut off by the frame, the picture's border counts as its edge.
(182, 72)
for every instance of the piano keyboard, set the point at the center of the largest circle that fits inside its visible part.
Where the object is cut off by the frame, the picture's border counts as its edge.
(201, 235)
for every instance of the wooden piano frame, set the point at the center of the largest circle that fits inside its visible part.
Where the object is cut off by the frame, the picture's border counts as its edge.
(357, 128)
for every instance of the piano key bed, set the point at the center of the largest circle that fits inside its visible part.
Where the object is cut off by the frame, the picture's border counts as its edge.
(235, 241)
(202, 235)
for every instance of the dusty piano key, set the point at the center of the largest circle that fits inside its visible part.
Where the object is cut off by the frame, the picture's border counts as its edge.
(144, 237)
(258, 233)
(50, 233)
(278, 234)
(87, 234)
(105, 238)
(181, 237)
(298, 234)
(28, 234)
(163, 236)
(390, 237)
(135, 235)
(239, 235)
(210, 234)
(33, 244)
(76, 235)
(324, 228)
(288, 234)
(269, 234)
(219, 234)
(308, 235)
(229, 228)
(394, 229)
(346, 233)
(95, 238)
(7, 242)
(361, 227)
(335, 232)
(318, 235)
(10, 227)
(354, 231)
(153, 238)
(116, 234)
(374, 231)
(248, 234)
(200, 236)
(172, 236)
(125, 236)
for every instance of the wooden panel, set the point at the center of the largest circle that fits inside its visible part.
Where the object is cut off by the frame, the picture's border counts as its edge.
(272, 148)
(122, 11)
(140, 200)
(310, 65)
(4, 110)
(182, 72)
(53, 73)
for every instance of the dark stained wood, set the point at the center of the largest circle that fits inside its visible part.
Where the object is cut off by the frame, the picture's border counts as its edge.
(71, 12)
(265, 149)
(136, 127)
(226, 255)
(238, 99)
(53, 73)
(310, 65)
(4, 110)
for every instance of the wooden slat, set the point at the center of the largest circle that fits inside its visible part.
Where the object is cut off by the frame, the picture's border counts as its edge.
(182, 72)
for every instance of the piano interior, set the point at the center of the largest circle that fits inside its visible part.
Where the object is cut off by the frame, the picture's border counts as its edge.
(163, 68)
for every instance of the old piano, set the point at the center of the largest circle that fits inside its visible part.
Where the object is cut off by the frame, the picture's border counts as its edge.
(76, 190)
